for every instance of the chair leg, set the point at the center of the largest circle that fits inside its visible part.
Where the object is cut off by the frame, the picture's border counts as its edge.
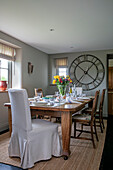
(50, 118)
(81, 126)
(75, 129)
(95, 130)
(103, 124)
(100, 122)
(92, 135)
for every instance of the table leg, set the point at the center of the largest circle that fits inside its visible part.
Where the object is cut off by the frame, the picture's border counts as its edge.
(90, 104)
(66, 122)
(10, 120)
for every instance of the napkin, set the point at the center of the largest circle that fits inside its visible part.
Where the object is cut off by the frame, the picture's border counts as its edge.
(69, 100)
(42, 101)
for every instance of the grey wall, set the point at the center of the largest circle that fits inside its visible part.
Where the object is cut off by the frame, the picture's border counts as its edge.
(3, 111)
(102, 55)
(21, 78)
(39, 77)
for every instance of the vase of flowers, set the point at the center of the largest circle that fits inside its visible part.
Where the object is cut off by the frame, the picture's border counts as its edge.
(62, 83)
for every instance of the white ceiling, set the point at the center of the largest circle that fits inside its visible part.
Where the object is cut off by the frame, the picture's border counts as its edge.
(79, 25)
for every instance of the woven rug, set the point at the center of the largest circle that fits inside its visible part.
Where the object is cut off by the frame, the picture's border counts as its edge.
(83, 155)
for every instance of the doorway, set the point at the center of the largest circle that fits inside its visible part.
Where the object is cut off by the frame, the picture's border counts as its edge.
(110, 83)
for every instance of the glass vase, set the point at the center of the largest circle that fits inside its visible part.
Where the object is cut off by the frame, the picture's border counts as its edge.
(62, 89)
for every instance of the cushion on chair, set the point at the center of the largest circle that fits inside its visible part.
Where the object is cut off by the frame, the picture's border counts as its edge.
(82, 117)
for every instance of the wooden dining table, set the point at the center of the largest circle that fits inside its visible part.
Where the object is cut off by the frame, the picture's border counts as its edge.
(64, 111)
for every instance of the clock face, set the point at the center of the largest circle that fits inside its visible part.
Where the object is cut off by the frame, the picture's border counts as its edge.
(87, 71)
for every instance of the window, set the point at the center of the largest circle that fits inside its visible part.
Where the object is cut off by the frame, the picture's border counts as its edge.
(3, 70)
(7, 54)
(61, 65)
(62, 72)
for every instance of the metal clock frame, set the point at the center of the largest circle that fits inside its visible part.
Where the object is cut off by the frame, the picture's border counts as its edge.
(95, 81)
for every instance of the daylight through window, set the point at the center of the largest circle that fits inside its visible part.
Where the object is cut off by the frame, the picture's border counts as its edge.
(3, 70)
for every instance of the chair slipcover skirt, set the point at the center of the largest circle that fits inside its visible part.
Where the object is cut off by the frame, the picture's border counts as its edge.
(38, 145)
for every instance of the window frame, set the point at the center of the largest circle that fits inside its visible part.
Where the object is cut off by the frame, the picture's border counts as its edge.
(9, 69)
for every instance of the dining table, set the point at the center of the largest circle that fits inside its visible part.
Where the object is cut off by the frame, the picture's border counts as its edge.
(59, 110)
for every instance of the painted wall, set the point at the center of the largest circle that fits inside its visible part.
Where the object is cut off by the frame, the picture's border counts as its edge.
(102, 55)
(21, 78)
(3, 111)
(39, 77)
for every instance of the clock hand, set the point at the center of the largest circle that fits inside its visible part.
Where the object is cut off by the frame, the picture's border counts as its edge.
(81, 68)
(85, 72)
(89, 67)
(90, 76)
(82, 77)
(92, 64)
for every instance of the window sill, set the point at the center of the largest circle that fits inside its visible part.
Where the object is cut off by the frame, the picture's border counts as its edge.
(6, 91)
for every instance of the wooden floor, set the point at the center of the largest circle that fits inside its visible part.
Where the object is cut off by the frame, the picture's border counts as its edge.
(83, 156)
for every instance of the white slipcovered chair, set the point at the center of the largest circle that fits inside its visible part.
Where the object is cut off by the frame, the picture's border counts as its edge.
(31, 140)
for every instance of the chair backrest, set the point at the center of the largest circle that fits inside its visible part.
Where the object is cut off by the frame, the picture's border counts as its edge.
(21, 116)
(102, 100)
(37, 90)
(95, 103)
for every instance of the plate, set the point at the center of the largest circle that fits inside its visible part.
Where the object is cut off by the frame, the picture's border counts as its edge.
(38, 102)
(49, 96)
(84, 98)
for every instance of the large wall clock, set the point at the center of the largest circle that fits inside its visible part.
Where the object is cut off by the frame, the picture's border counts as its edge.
(87, 71)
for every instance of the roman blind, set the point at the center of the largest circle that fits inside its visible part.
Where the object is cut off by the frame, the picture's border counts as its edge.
(7, 52)
(61, 62)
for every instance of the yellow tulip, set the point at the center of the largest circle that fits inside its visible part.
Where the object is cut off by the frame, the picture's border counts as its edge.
(56, 77)
(54, 81)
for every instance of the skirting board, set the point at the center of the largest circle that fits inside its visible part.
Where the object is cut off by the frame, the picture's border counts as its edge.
(4, 126)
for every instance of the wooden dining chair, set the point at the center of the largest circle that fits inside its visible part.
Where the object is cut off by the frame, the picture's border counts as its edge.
(99, 112)
(37, 90)
(86, 119)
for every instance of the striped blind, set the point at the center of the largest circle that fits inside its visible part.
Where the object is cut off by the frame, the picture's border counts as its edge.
(61, 62)
(7, 52)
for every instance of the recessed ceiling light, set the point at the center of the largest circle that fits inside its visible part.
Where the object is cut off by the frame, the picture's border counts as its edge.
(51, 29)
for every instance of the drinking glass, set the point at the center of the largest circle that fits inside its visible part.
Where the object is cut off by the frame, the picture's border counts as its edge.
(56, 93)
(37, 98)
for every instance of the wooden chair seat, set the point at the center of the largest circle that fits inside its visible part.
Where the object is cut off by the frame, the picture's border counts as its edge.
(82, 117)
